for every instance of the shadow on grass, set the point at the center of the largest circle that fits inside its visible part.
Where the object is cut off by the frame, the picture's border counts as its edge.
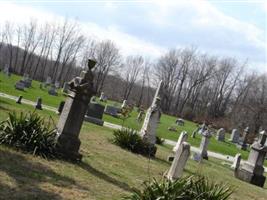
(2, 107)
(28, 177)
(105, 177)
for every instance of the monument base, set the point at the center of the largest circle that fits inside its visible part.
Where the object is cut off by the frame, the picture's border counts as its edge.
(68, 147)
(94, 120)
(249, 177)
(242, 146)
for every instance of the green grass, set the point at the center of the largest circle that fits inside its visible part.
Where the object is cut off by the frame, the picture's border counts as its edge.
(7, 85)
(106, 171)
(227, 148)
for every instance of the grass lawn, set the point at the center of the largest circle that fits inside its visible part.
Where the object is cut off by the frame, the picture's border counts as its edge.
(227, 148)
(106, 171)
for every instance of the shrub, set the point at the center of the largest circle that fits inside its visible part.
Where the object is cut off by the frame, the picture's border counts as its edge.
(129, 139)
(28, 132)
(188, 188)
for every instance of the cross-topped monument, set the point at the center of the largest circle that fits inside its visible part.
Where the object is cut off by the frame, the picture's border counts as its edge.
(72, 116)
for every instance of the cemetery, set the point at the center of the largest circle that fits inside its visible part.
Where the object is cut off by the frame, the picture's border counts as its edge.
(95, 148)
(118, 100)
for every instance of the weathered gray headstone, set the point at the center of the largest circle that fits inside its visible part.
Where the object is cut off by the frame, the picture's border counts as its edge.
(111, 110)
(148, 130)
(95, 113)
(19, 99)
(57, 84)
(180, 122)
(182, 138)
(252, 170)
(124, 104)
(72, 116)
(181, 156)
(237, 161)
(220, 135)
(203, 149)
(52, 90)
(65, 87)
(39, 104)
(20, 85)
(102, 96)
(48, 81)
(7, 71)
(235, 136)
(244, 140)
(27, 80)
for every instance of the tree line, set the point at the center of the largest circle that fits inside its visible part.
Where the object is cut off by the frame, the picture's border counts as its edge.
(196, 86)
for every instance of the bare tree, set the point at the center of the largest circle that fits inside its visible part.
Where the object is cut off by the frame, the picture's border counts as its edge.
(132, 67)
(108, 58)
(167, 70)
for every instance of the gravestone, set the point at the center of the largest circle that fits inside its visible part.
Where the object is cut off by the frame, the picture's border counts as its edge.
(7, 71)
(252, 170)
(65, 87)
(57, 84)
(180, 122)
(124, 104)
(243, 142)
(95, 113)
(39, 104)
(27, 80)
(203, 149)
(52, 91)
(48, 81)
(194, 134)
(102, 96)
(60, 107)
(111, 110)
(235, 136)
(20, 85)
(182, 138)
(181, 156)
(220, 135)
(72, 116)
(237, 161)
(19, 99)
(148, 130)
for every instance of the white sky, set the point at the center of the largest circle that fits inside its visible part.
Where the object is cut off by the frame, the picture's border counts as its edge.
(149, 28)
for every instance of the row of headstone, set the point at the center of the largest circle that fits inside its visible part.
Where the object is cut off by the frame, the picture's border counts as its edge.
(26, 82)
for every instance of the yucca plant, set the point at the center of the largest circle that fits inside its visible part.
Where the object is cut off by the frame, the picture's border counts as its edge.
(28, 132)
(130, 139)
(187, 188)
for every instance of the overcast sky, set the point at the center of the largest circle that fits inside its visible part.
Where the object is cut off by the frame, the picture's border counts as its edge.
(223, 28)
